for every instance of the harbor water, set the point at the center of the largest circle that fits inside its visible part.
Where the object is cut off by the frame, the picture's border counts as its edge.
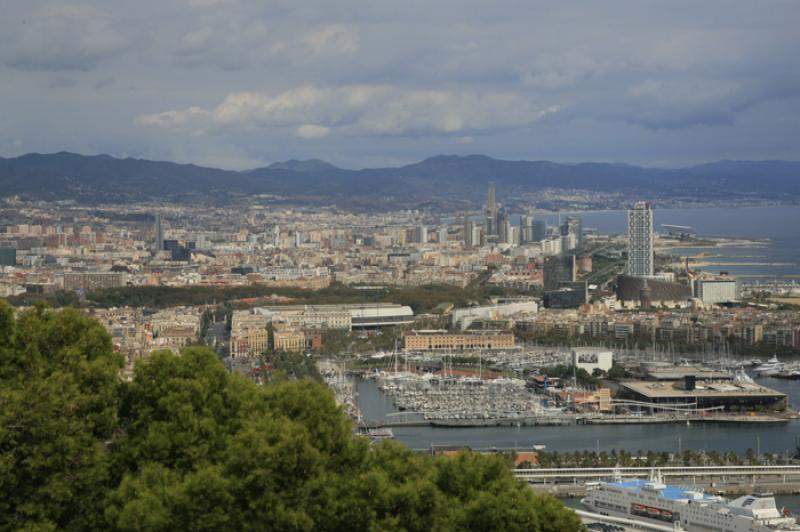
(776, 260)
(722, 437)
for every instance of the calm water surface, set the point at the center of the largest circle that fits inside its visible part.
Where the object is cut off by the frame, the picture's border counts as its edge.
(723, 437)
(778, 259)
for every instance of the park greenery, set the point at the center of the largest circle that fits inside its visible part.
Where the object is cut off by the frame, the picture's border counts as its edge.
(568, 372)
(186, 445)
(422, 299)
(640, 458)
(292, 365)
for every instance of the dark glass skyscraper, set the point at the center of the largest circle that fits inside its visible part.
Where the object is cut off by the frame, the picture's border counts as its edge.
(158, 243)
(491, 211)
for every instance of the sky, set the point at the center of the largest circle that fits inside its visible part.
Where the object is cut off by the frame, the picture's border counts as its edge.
(242, 83)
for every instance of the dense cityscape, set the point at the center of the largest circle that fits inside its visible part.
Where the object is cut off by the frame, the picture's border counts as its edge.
(417, 266)
(475, 319)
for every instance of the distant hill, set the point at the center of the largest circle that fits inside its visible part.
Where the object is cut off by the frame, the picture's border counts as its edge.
(443, 180)
(309, 165)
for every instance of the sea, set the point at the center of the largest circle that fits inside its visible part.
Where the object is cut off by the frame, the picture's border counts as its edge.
(776, 259)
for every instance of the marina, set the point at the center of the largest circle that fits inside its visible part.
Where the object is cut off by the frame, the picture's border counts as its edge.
(779, 438)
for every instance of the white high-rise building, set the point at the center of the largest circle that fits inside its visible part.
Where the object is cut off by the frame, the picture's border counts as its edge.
(421, 234)
(640, 239)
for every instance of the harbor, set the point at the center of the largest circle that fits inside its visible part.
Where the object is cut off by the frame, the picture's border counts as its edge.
(712, 433)
(421, 391)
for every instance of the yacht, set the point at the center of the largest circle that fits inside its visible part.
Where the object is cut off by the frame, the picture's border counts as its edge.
(652, 501)
(770, 368)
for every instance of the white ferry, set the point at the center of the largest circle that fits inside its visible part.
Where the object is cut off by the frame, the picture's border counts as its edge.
(690, 509)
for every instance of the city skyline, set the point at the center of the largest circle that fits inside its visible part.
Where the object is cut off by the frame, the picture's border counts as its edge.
(549, 248)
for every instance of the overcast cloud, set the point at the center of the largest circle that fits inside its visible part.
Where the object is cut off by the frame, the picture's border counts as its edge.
(242, 83)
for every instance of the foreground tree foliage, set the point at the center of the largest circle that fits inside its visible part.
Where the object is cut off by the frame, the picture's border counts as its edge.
(187, 446)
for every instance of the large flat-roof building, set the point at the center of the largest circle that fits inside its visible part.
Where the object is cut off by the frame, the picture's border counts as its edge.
(436, 340)
(361, 315)
(462, 318)
(93, 280)
(636, 291)
(714, 291)
(558, 270)
(728, 394)
(314, 317)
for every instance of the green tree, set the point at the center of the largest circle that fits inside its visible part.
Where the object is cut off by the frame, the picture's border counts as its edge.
(57, 411)
(186, 445)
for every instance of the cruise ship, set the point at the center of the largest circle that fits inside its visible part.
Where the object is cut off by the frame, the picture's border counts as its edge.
(688, 508)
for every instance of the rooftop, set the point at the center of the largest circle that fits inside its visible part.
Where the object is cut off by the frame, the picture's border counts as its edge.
(668, 491)
(658, 390)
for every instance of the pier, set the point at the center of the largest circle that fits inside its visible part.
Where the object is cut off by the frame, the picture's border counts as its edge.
(781, 474)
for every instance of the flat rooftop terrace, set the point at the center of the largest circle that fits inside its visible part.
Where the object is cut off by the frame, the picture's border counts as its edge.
(674, 373)
(715, 389)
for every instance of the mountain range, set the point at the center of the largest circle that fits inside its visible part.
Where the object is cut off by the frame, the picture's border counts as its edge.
(443, 181)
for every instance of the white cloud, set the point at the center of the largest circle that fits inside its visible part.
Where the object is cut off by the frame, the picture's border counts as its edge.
(172, 119)
(333, 39)
(312, 131)
(360, 109)
(64, 37)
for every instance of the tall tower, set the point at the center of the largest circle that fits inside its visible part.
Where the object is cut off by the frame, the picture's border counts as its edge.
(640, 240)
(158, 243)
(539, 230)
(525, 228)
(491, 211)
(468, 232)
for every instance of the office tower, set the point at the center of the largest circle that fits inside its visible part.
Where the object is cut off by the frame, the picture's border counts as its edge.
(539, 230)
(572, 226)
(421, 234)
(640, 240)
(525, 228)
(273, 234)
(502, 225)
(477, 236)
(442, 235)
(468, 232)
(558, 269)
(512, 233)
(158, 244)
(492, 225)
